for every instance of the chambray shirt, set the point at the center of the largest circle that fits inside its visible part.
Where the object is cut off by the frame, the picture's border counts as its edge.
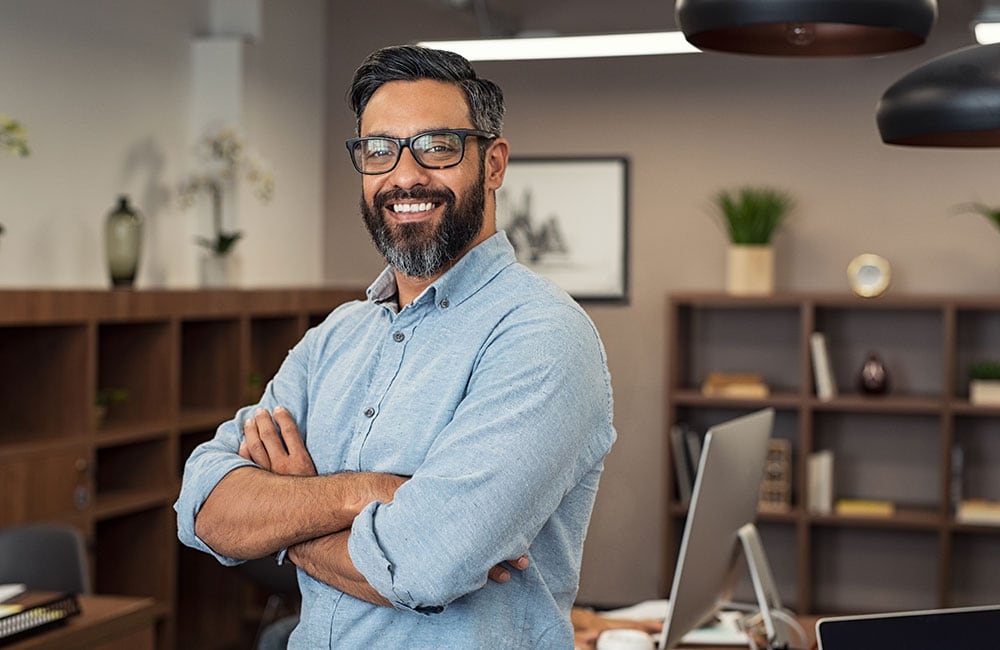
(491, 391)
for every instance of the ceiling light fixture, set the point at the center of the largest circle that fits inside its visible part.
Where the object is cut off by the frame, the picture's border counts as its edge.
(950, 101)
(567, 47)
(986, 24)
(806, 27)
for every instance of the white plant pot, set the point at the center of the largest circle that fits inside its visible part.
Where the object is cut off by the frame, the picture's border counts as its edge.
(984, 391)
(750, 269)
(220, 271)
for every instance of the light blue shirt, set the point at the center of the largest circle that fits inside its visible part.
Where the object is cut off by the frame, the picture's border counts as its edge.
(491, 391)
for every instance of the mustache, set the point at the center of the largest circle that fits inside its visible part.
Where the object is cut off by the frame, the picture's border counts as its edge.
(417, 194)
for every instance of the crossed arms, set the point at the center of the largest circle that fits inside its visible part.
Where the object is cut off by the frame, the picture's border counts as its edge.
(283, 503)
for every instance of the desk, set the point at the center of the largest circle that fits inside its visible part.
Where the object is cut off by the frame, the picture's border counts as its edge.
(808, 623)
(104, 623)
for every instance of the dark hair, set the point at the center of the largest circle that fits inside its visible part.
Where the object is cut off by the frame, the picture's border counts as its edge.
(413, 63)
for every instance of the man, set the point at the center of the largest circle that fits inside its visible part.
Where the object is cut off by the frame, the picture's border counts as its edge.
(455, 420)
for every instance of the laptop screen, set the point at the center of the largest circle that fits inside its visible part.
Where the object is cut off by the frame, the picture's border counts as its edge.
(937, 629)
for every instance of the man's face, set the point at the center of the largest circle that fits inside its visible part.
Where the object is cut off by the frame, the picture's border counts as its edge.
(422, 220)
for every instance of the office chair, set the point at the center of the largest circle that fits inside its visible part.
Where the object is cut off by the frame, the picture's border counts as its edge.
(44, 557)
(281, 610)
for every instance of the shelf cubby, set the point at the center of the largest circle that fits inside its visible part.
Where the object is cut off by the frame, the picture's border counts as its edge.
(894, 446)
(178, 362)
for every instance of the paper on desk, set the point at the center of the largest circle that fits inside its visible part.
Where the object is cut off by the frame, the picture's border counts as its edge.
(725, 632)
(8, 591)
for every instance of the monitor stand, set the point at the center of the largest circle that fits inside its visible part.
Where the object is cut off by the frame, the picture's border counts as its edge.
(777, 622)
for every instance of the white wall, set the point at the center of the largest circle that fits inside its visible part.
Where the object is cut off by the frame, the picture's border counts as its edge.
(104, 87)
(692, 125)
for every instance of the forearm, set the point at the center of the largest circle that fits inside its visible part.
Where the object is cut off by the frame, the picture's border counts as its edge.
(326, 559)
(252, 512)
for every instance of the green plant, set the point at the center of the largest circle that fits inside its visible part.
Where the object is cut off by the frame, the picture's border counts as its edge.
(14, 140)
(991, 214)
(225, 158)
(752, 215)
(985, 370)
(108, 396)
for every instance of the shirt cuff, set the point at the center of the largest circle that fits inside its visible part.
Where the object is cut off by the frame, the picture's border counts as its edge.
(370, 560)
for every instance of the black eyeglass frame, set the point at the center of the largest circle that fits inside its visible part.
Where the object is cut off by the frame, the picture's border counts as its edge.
(404, 143)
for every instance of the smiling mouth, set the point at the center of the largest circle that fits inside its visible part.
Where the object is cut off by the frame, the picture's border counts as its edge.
(409, 208)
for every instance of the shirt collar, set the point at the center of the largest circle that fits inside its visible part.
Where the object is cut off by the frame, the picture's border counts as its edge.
(468, 275)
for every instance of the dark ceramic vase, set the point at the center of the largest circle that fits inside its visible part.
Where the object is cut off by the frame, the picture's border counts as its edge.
(873, 378)
(123, 239)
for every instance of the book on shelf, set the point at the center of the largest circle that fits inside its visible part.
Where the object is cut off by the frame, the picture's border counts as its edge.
(736, 385)
(826, 387)
(957, 472)
(819, 473)
(978, 511)
(682, 468)
(776, 486)
(865, 507)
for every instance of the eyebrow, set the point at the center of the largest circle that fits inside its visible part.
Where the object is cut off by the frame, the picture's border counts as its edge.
(386, 134)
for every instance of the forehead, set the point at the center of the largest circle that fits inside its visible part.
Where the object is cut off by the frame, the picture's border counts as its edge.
(403, 108)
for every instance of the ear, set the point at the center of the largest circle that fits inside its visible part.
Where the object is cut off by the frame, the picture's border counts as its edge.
(496, 164)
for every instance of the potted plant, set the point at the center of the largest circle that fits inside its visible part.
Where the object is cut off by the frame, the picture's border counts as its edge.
(984, 382)
(13, 140)
(105, 399)
(751, 216)
(225, 160)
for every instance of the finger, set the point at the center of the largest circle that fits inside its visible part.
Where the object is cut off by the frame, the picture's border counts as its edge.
(254, 447)
(289, 431)
(269, 434)
(243, 451)
(499, 574)
(520, 563)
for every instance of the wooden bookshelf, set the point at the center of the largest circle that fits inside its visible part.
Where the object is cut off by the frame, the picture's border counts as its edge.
(184, 361)
(894, 447)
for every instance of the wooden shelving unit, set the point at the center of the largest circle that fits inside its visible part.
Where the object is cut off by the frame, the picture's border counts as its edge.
(185, 361)
(894, 447)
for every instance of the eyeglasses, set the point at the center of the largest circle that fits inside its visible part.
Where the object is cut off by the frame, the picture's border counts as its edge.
(433, 150)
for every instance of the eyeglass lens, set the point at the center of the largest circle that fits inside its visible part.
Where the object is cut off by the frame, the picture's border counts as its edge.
(433, 150)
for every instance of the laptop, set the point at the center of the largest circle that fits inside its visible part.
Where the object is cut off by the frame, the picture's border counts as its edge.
(963, 628)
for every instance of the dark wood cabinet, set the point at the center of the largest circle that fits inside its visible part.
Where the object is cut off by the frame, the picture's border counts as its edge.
(103, 396)
(893, 447)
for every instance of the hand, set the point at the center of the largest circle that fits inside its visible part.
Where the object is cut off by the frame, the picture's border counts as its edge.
(501, 574)
(281, 451)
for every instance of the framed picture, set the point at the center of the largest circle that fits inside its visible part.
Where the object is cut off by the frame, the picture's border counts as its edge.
(568, 220)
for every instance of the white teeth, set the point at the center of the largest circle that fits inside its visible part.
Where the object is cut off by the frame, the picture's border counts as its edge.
(412, 207)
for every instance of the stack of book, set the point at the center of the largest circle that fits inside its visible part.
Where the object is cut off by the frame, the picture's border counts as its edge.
(734, 385)
(978, 511)
(865, 508)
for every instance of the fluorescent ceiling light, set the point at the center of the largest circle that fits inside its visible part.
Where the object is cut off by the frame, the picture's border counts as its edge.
(987, 33)
(567, 47)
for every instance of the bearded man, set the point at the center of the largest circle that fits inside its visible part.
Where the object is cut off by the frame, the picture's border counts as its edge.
(428, 458)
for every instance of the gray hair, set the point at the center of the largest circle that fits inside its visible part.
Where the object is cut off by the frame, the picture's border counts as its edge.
(414, 63)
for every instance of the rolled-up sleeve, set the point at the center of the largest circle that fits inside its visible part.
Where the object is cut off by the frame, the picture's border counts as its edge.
(535, 420)
(211, 461)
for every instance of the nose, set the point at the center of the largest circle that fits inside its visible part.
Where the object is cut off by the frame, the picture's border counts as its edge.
(408, 172)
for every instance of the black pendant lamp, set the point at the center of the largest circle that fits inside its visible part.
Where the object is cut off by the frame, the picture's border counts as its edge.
(806, 27)
(950, 101)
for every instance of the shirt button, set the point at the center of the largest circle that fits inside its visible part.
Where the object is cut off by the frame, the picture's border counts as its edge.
(444, 303)
(398, 337)
(369, 412)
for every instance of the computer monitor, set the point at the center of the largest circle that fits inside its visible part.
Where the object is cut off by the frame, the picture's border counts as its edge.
(723, 501)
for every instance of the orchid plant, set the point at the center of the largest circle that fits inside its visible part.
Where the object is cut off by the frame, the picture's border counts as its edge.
(226, 159)
(13, 139)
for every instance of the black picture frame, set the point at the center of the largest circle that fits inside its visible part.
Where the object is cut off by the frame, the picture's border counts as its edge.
(567, 218)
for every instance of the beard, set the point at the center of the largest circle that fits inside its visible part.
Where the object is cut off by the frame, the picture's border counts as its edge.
(420, 250)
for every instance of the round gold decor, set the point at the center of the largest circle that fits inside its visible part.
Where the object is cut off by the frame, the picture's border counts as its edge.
(868, 275)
